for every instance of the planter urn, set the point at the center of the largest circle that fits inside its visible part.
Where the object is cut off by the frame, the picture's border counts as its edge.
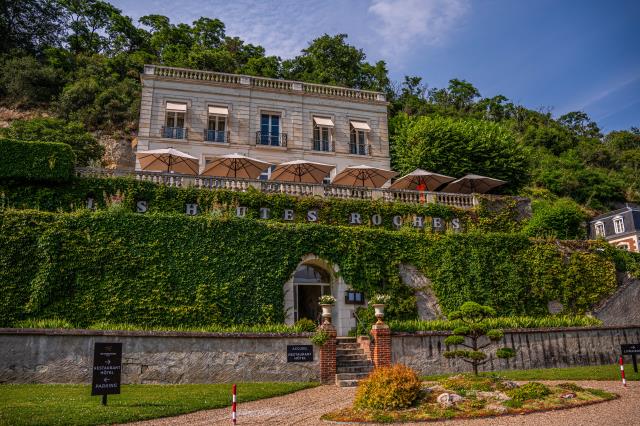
(326, 313)
(379, 312)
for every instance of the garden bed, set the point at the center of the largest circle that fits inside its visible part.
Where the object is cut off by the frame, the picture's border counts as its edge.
(466, 396)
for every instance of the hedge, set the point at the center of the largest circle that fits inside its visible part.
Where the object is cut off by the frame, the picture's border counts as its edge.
(502, 215)
(170, 269)
(36, 161)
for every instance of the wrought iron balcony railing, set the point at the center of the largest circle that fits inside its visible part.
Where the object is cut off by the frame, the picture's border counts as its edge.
(323, 145)
(359, 149)
(216, 136)
(271, 139)
(174, 132)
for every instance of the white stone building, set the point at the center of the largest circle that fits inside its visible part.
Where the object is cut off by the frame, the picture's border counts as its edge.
(207, 114)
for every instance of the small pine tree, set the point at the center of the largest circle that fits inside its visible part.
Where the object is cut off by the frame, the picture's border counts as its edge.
(475, 326)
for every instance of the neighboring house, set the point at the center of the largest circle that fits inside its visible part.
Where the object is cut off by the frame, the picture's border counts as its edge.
(620, 228)
(207, 114)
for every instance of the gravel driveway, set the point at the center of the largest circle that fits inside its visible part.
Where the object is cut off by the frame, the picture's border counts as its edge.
(305, 408)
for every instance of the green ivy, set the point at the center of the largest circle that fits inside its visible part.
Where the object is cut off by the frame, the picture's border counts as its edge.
(170, 269)
(36, 161)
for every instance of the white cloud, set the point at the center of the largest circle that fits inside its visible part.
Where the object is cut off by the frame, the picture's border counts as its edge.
(406, 24)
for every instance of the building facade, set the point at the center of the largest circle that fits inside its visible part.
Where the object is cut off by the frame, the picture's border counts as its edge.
(620, 228)
(208, 114)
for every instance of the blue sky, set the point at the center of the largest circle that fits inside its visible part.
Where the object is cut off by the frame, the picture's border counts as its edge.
(563, 55)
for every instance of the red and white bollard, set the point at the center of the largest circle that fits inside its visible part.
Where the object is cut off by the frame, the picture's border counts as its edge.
(233, 406)
(624, 381)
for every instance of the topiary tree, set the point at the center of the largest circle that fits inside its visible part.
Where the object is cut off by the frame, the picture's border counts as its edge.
(474, 318)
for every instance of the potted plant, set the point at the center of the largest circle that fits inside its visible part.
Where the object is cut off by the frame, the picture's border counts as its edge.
(378, 301)
(326, 303)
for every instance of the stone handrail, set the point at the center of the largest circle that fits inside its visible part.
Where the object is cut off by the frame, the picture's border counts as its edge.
(463, 201)
(265, 83)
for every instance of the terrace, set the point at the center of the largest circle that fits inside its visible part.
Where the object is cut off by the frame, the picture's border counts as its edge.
(462, 201)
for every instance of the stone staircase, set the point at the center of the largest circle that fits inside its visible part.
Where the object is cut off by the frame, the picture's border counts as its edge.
(351, 362)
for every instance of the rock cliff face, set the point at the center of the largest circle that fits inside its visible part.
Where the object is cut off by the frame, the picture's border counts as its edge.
(428, 308)
(623, 307)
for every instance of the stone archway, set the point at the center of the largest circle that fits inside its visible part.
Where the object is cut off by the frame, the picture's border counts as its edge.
(314, 276)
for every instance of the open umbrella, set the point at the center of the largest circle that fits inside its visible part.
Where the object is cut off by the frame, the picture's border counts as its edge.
(470, 184)
(301, 171)
(236, 166)
(364, 176)
(168, 160)
(421, 180)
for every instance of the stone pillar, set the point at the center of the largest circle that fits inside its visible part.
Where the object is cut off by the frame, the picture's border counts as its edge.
(328, 355)
(381, 355)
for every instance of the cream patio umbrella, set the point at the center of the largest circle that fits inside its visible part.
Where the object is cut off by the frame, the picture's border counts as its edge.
(301, 171)
(167, 160)
(363, 176)
(421, 180)
(470, 184)
(235, 166)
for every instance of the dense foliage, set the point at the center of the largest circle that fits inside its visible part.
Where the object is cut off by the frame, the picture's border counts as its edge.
(168, 270)
(552, 321)
(36, 161)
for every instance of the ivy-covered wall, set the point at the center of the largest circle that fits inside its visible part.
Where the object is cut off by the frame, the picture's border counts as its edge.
(171, 269)
(502, 215)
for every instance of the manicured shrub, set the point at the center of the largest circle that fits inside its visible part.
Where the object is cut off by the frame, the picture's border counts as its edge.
(388, 388)
(528, 391)
(36, 161)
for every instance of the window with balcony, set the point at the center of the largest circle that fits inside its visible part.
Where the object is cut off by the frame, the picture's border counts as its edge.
(618, 225)
(359, 140)
(322, 134)
(599, 228)
(269, 133)
(217, 125)
(174, 127)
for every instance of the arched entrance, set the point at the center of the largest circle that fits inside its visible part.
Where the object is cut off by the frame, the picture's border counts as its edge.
(312, 278)
(309, 283)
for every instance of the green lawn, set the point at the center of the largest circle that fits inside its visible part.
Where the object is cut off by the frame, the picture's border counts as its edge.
(602, 372)
(73, 405)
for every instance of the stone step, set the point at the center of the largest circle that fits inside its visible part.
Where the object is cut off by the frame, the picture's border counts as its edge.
(350, 357)
(353, 362)
(351, 376)
(347, 383)
(349, 351)
(347, 344)
(354, 369)
(349, 348)
(340, 340)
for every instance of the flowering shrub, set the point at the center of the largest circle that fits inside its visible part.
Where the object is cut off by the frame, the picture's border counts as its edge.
(319, 338)
(386, 388)
(327, 299)
(380, 299)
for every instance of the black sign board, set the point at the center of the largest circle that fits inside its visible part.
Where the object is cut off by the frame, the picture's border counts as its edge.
(631, 349)
(299, 353)
(107, 366)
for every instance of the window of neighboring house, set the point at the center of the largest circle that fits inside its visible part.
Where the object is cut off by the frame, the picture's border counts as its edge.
(623, 246)
(269, 129)
(618, 225)
(358, 144)
(267, 173)
(599, 227)
(322, 134)
(174, 122)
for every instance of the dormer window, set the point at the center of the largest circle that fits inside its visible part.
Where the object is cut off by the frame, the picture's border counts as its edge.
(599, 228)
(322, 134)
(618, 225)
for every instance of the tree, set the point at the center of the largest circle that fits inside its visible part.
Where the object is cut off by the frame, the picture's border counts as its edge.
(29, 25)
(580, 124)
(470, 335)
(562, 218)
(83, 143)
(456, 147)
(330, 60)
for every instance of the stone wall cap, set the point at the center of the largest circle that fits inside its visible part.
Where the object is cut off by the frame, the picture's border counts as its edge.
(521, 330)
(145, 333)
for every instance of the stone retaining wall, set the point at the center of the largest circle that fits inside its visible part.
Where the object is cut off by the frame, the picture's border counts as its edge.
(535, 348)
(65, 356)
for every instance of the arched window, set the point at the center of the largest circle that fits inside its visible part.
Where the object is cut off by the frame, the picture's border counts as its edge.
(310, 274)
(599, 227)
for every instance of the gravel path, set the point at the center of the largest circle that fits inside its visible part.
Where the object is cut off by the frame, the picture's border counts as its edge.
(305, 408)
